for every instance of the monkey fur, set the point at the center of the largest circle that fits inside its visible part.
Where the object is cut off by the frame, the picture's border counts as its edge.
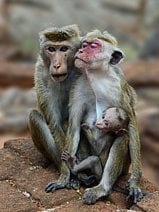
(102, 85)
(114, 120)
(54, 74)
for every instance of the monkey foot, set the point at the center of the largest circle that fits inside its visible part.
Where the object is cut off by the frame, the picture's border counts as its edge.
(74, 183)
(87, 180)
(135, 194)
(89, 197)
(52, 186)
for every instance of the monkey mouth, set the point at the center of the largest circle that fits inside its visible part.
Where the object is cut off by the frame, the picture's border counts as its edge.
(78, 58)
(59, 77)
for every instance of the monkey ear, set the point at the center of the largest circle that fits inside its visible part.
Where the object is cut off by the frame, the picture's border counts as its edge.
(116, 57)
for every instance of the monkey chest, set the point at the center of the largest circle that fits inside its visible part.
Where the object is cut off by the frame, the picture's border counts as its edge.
(107, 91)
(109, 97)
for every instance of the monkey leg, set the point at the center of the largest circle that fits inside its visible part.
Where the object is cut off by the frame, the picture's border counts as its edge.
(43, 138)
(91, 163)
(44, 141)
(112, 170)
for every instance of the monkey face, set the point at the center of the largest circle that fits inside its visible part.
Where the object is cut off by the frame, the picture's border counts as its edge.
(96, 53)
(90, 54)
(113, 119)
(57, 50)
(57, 55)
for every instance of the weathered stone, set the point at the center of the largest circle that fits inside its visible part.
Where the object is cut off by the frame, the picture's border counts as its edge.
(11, 163)
(28, 151)
(29, 175)
(150, 203)
(13, 199)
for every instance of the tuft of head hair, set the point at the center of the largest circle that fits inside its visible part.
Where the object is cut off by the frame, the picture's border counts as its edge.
(103, 36)
(56, 34)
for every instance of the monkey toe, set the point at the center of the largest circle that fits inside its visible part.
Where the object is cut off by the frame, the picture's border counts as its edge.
(52, 186)
(75, 184)
(135, 194)
(89, 197)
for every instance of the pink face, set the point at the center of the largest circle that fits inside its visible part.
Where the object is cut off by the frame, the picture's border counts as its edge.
(89, 51)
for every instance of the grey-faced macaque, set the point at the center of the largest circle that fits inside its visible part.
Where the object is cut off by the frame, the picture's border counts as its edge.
(54, 74)
(114, 120)
(101, 86)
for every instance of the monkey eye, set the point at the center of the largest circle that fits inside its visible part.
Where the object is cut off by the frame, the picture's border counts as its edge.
(51, 49)
(94, 45)
(64, 48)
(84, 45)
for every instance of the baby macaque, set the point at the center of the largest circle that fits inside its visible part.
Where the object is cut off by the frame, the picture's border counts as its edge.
(114, 119)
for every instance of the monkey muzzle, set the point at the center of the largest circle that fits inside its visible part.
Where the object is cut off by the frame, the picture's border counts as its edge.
(59, 77)
(80, 59)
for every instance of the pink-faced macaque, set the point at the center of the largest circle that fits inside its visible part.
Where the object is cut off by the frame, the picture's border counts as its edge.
(102, 85)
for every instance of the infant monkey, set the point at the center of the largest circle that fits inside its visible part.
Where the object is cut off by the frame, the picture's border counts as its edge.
(114, 120)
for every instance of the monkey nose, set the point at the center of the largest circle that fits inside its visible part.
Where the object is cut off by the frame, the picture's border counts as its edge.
(106, 122)
(57, 66)
(80, 51)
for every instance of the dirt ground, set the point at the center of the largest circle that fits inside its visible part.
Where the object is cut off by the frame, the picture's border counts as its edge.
(24, 174)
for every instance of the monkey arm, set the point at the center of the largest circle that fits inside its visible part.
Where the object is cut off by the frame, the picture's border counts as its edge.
(135, 192)
(134, 145)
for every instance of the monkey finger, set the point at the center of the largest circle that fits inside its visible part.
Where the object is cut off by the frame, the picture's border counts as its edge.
(135, 196)
(66, 157)
(65, 153)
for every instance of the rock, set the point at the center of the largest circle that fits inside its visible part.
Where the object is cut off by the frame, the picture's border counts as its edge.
(150, 203)
(13, 199)
(25, 172)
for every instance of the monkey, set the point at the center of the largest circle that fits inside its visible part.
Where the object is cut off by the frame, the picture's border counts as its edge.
(54, 75)
(114, 120)
(102, 85)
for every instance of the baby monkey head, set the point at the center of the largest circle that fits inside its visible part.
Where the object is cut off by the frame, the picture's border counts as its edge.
(98, 50)
(57, 50)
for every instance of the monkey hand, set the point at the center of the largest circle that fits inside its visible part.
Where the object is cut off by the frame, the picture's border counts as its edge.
(62, 182)
(69, 160)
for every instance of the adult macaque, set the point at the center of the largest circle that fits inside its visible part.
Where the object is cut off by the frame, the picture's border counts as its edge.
(102, 86)
(54, 74)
